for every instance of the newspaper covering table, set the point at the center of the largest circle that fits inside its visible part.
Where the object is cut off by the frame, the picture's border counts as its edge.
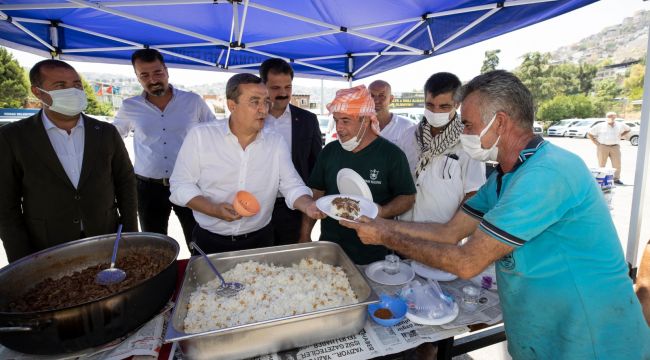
(372, 341)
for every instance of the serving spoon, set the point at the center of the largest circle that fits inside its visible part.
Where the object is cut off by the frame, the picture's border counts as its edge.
(112, 275)
(227, 289)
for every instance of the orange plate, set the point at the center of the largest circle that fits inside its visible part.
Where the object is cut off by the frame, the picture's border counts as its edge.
(246, 204)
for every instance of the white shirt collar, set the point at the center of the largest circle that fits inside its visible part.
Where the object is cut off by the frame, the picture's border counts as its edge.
(50, 125)
(286, 112)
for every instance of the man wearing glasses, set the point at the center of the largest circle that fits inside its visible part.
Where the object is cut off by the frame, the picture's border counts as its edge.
(160, 118)
(221, 158)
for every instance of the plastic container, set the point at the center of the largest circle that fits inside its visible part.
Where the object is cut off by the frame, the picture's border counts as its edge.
(604, 177)
(246, 204)
(394, 304)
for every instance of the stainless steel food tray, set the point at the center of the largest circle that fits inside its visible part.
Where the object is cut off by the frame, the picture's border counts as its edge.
(277, 334)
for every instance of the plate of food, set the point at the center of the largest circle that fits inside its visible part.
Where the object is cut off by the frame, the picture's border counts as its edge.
(347, 207)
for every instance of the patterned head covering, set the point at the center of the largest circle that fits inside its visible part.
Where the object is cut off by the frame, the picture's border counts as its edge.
(356, 102)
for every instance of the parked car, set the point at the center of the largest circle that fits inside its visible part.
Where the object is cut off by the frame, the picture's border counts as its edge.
(323, 123)
(633, 135)
(538, 129)
(581, 127)
(414, 114)
(560, 127)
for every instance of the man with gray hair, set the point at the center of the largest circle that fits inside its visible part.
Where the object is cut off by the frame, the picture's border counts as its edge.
(563, 282)
(218, 159)
(607, 138)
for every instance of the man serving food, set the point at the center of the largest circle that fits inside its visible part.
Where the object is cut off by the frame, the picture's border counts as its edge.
(563, 281)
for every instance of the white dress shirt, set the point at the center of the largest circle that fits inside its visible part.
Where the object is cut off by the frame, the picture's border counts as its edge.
(69, 148)
(442, 185)
(609, 135)
(281, 125)
(158, 135)
(213, 164)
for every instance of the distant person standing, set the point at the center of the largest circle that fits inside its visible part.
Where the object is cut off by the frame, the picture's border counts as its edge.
(300, 129)
(607, 137)
(160, 117)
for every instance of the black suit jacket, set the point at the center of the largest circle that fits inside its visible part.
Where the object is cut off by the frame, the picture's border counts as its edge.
(306, 140)
(39, 206)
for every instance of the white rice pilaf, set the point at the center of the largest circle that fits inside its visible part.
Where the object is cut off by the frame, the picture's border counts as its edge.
(270, 292)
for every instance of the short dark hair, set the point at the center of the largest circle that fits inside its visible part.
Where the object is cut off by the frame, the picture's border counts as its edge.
(35, 76)
(232, 86)
(441, 83)
(147, 55)
(500, 90)
(275, 66)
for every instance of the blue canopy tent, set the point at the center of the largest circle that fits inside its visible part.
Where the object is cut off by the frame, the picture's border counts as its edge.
(332, 39)
(327, 39)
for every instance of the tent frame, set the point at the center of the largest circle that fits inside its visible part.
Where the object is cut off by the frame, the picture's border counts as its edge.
(238, 27)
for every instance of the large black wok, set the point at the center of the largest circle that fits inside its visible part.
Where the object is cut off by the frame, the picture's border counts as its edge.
(90, 324)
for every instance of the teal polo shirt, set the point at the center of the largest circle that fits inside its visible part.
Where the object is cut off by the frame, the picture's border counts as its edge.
(564, 290)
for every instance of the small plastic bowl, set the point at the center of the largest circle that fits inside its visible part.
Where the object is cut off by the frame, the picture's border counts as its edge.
(396, 306)
(246, 204)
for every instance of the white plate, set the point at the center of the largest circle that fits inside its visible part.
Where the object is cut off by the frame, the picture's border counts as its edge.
(350, 182)
(434, 321)
(428, 272)
(375, 272)
(368, 208)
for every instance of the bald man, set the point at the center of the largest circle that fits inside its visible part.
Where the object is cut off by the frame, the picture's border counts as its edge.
(393, 127)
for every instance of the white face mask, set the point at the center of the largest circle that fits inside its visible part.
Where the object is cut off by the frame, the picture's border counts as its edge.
(354, 142)
(70, 102)
(472, 145)
(436, 119)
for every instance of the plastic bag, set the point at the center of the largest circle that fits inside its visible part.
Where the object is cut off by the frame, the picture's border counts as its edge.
(427, 300)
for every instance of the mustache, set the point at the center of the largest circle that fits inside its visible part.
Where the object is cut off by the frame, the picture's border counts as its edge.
(281, 97)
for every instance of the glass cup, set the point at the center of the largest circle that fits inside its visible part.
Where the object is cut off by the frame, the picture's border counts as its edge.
(391, 264)
(471, 297)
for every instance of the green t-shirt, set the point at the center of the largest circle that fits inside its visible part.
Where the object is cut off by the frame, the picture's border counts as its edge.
(386, 171)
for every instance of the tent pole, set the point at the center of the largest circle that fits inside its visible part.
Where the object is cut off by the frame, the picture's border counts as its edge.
(406, 33)
(243, 21)
(641, 177)
(466, 28)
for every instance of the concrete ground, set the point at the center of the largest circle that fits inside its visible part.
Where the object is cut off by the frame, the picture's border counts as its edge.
(621, 203)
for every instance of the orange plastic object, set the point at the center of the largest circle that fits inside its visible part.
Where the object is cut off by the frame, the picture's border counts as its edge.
(246, 204)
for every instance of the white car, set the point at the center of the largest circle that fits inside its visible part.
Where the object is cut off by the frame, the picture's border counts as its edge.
(633, 135)
(560, 127)
(414, 114)
(581, 127)
(538, 129)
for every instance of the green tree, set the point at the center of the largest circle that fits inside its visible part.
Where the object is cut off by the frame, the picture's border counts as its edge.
(14, 88)
(633, 84)
(491, 61)
(94, 106)
(586, 75)
(567, 106)
(536, 73)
